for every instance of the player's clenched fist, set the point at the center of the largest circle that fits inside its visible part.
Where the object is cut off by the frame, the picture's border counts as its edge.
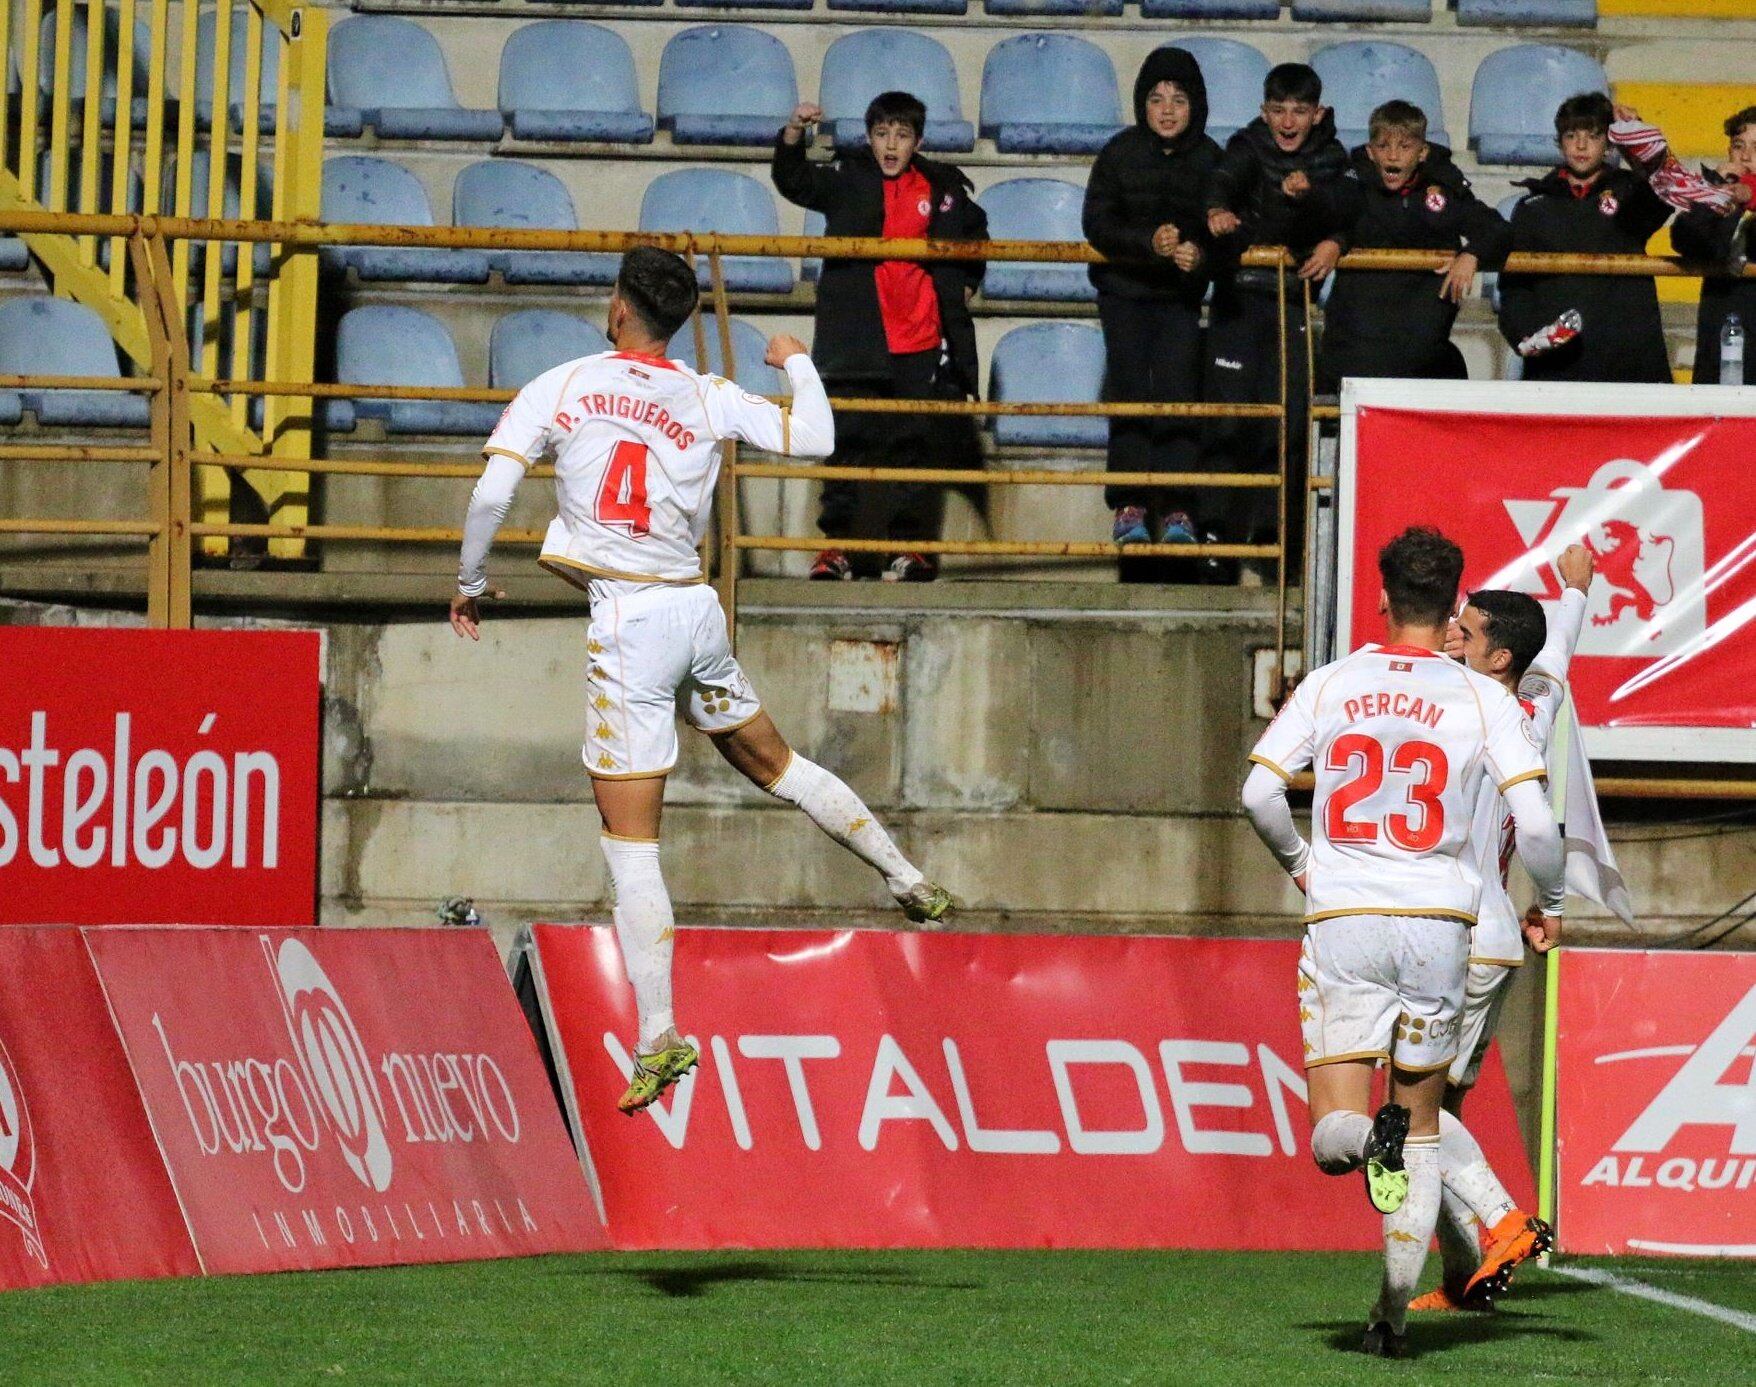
(1542, 932)
(1576, 567)
(780, 347)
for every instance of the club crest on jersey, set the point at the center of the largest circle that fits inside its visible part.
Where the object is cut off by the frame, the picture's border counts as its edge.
(1435, 199)
(1402, 666)
(1607, 204)
(925, 208)
(636, 371)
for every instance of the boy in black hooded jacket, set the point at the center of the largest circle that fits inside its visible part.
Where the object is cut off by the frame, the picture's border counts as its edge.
(1715, 239)
(1585, 206)
(1406, 194)
(1145, 209)
(890, 328)
(1276, 185)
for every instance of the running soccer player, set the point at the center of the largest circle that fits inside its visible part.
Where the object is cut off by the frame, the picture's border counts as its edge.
(1505, 636)
(635, 439)
(1405, 744)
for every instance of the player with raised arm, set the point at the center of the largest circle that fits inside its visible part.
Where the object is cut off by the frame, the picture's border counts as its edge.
(1405, 744)
(635, 439)
(1505, 636)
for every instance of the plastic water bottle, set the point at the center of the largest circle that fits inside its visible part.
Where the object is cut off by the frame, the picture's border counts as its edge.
(1731, 351)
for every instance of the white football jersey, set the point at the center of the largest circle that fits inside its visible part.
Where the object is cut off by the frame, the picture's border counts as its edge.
(1406, 744)
(1541, 693)
(636, 446)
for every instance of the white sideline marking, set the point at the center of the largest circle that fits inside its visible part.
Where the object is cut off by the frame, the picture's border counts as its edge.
(1738, 1319)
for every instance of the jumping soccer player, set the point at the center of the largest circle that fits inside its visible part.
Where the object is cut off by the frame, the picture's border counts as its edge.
(1401, 739)
(636, 445)
(1505, 636)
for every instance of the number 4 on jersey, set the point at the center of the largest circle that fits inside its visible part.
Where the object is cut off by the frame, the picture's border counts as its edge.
(622, 499)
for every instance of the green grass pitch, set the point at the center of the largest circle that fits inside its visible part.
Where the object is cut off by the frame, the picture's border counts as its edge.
(915, 1318)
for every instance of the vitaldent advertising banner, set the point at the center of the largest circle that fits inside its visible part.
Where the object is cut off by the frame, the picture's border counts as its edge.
(344, 1097)
(876, 1089)
(83, 1192)
(158, 777)
(1655, 481)
(1656, 1115)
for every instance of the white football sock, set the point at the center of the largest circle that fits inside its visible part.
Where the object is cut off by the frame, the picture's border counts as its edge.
(1338, 1142)
(644, 929)
(1460, 1242)
(838, 811)
(1468, 1175)
(1408, 1231)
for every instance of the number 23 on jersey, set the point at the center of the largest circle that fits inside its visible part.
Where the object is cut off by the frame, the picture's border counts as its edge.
(1422, 769)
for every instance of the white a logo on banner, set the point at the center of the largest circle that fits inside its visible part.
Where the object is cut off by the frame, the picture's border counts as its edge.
(1649, 599)
(18, 1161)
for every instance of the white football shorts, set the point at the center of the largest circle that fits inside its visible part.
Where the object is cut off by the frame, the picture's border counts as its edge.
(1484, 994)
(1384, 987)
(657, 651)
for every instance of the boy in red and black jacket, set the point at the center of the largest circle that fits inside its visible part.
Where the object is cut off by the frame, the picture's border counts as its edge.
(1725, 239)
(889, 328)
(1406, 194)
(1587, 207)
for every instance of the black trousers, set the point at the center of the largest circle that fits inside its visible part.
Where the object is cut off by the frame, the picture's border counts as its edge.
(1243, 367)
(894, 510)
(1152, 354)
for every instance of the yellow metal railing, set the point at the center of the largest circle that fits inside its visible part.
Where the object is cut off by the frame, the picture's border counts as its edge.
(122, 103)
(185, 383)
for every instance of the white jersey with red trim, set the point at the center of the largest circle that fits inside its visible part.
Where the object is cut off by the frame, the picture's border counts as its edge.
(1541, 694)
(635, 441)
(1406, 744)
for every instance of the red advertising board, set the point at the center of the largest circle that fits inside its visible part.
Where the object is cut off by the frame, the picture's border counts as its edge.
(344, 1097)
(1655, 481)
(1655, 1118)
(158, 777)
(876, 1089)
(83, 1193)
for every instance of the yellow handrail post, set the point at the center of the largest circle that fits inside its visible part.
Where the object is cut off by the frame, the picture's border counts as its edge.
(173, 436)
(30, 94)
(1277, 680)
(729, 522)
(122, 155)
(158, 486)
(60, 109)
(87, 198)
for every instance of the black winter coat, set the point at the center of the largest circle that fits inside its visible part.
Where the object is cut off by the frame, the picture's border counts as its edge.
(1248, 177)
(1393, 322)
(1140, 182)
(849, 343)
(1623, 338)
(1701, 235)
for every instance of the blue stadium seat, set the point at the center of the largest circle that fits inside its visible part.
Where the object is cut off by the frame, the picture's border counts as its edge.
(1209, 9)
(390, 72)
(725, 84)
(1359, 76)
(564, 79)
(58, 337)
(1049, 94)
(360, 189)
(1073, 9)
(206, 28)
(1234, 73)
(748, 346)
(1513, 99)
(860, 65)
(1363, 11)
(510, 193)
(382, 344)
(1036, 209)
(525, 344)
(76, 64)
(1507, 14)
(14, 255)
(719, 200)
(902, 6)
(1057, 362)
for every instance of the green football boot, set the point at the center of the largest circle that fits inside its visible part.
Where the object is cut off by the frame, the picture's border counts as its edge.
(1386, 1179)
(656, 1071)
(925, 904)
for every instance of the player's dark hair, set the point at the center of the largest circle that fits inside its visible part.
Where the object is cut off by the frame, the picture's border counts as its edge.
(1584, 111)
(1514, 622)
(660, 287)
(1738, 120)
(1404, 117)
(1421, 570)
(901, 106)
(1293, 82)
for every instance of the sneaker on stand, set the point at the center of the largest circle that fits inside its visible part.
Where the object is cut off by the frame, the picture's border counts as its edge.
(912, 568)
(1131, 526)
(832, 566)
(1178, 529)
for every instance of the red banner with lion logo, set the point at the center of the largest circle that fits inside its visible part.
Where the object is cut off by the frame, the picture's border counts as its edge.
(1655, 484)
